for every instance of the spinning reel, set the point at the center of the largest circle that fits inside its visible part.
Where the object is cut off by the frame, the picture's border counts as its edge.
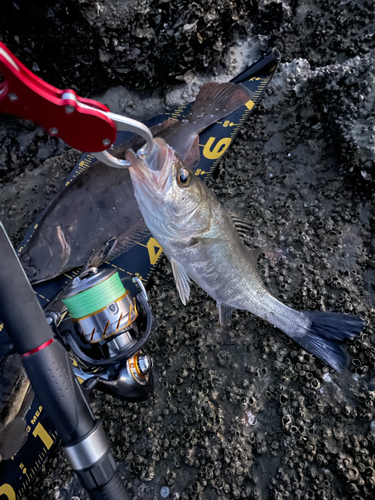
(105, 334)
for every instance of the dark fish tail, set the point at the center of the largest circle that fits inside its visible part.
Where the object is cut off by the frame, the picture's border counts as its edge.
(27, 402)
(215, 101)
(325, 334)
(12, 438)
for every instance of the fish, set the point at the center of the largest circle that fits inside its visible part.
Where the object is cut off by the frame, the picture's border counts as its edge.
(99, 204)
(204, 243)
(16, 397)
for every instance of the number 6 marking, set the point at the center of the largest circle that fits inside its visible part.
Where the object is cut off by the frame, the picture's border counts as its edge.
(218, 150)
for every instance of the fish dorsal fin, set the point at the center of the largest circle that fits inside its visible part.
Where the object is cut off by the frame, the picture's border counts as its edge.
(243, 228)
(225, 312)
(100, 255)
(182, 281)
(191, 160)
(136, 234)
(242, 225)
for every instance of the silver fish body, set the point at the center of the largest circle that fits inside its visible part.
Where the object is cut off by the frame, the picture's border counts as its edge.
(99, 204)
(200, 239)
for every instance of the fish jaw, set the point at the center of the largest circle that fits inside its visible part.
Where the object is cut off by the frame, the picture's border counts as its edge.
(30, 258)
(168, 208)
(154, 169)
(45, 257)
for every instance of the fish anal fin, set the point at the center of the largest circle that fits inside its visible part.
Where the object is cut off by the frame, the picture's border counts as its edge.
(182, 281)
(254, 254)
(225, 312)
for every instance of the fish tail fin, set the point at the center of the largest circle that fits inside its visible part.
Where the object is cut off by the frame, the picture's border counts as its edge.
(215, 101)
(326, 332)
(12, 438)
(27, 402)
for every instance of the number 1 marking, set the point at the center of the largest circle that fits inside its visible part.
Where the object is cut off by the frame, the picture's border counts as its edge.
(44, 436)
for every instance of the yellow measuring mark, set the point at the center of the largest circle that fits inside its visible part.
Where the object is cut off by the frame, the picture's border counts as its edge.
(250, 104)
(43, 435)
(154, 250)
(8, 491)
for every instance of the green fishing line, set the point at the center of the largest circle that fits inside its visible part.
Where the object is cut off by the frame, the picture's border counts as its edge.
(95, 298)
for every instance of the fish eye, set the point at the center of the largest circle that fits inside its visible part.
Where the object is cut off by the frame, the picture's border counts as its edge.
(183, 177)
(26, 259)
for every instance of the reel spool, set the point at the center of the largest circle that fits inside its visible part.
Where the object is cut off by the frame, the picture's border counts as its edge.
(109, 328)
(101, 308)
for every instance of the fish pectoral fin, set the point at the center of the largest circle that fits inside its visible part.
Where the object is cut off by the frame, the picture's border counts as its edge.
(182, 281)
(211, 237)
(100, 255)
(65, 248)
(206, 242)
(192, 158)
(225, 312)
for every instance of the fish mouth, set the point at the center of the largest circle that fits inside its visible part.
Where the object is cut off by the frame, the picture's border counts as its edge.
(152, 170)
(29, 270)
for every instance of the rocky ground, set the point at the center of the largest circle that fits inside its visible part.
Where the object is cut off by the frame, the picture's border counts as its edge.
(239, 411)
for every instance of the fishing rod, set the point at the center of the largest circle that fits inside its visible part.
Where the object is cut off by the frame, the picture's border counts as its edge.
(49, 367)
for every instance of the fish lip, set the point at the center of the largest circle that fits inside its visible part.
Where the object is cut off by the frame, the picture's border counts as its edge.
(30, 270)
(147, 175)
(138, 166)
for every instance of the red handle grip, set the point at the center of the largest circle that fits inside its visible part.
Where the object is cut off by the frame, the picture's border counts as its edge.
(81, 123)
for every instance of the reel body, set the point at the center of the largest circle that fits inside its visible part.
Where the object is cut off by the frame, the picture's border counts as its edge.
(106, 331)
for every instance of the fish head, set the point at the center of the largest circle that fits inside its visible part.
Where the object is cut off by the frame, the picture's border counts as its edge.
(45, 255)
(168, 193)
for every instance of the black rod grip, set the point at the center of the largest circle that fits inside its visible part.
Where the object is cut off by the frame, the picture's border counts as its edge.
(113, 490)
(51, 375)
(20, 310)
